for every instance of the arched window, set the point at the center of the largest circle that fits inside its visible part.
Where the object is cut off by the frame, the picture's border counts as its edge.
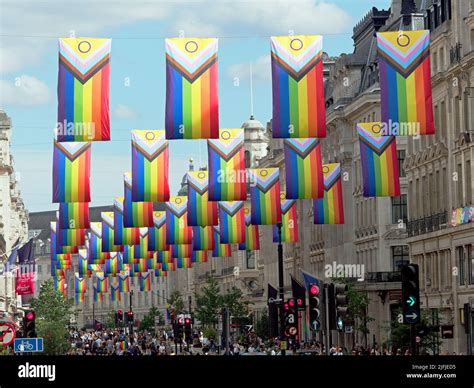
(247, 159)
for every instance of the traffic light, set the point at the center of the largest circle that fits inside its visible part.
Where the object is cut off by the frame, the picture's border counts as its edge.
(179, 325)
(187, 329)
(314, 311)
(341, 302)
(130, 317)
(29, 324)
(410, 293)
(291, 317)
(120, 315)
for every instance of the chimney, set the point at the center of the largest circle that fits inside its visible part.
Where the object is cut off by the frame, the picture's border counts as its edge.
(396, 8)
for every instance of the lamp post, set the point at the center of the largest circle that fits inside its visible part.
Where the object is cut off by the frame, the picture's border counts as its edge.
(282, 292)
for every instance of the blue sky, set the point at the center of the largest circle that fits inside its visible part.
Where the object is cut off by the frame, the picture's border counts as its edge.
(28, 71)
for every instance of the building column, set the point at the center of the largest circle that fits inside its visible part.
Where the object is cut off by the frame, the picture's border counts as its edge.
(454, 283)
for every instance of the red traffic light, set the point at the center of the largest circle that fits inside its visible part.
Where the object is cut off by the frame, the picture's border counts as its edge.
(188, 321)
(299, 301)
(286, 306)
(313, 289)
(291, 302)
(30, 316)
(120, 312)
(180, 321)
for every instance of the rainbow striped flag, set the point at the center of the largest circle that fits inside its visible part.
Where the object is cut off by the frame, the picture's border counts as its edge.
(379, 161)
(145, 281)
(73, 215)
(131, 255)
(181, 250)
(135, 214)
(177, 229)
(79, 297)
(122, 235)
(265, 196)
(227, 175)
(299, 107)
(70, 237)
(160, 273)
(55, 247)
(157, 233)
(330, 209)
(115, 294)
(98, 296)
(201, 211)
(124, 281)
(141, 266)
(200, 256)
(60, 286)
(101, 282)
(171, 266)
(80, 284)
(192, 109)
(82, 265)
(252, 233)
(108, 233)
(289, 221)
(405, 82)
(71, 172)
(203, 238)
(303, 168)
(163, 256)
(220, 249)
(83, 89)
(114, 265)
(184, 262)
(94, 245)
(232, 222)
(150, 160)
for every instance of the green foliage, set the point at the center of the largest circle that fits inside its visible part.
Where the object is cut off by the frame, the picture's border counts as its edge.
(262, 328)
(148, 321)
(110, 320)
(176, 303)
(233, 300)
(53, 313)
(400, 334)
(209, 333)
(209, 303)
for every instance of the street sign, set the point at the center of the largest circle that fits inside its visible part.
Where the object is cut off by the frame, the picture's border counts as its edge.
(24, 345)
(348, 329)
(412, 318)
(7, 334)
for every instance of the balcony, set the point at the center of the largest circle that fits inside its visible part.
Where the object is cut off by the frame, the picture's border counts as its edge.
(427, 224)
(383, 277)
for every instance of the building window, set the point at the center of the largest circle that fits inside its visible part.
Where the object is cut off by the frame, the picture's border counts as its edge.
(247, 159)
(401, 159)
(400, 256)
(470, 263)
(460, 254)
(250, 256)
(399, 209)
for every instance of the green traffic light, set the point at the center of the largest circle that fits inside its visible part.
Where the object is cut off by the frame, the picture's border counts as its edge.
(411, 301)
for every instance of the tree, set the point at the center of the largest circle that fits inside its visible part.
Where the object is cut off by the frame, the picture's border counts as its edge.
(208, 303)
(262, 327)
(176, 303)
(111, 320)
(53, 313)
(234, 301)
(148, 321)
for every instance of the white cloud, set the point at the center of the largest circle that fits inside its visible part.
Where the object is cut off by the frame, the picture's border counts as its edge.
(224, 18)
(24, 91)
(261, 70)
(125, 112)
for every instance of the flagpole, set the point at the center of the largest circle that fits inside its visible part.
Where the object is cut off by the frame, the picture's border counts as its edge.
(282, 292)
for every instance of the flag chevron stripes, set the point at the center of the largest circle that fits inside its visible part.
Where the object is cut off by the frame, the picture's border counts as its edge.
(157, 233)
(332, 172)
(177, 205)
(94, 251)
(191, 88)
(150, 164)
(265, 196)
(201, 212)
(252, 232)
(71, 172)
(226, 158)
(404, 51)
(378, 161)
(56, 248)
(405, 82)
(84, 65)
(232, 222)
(303, 171)
(289, 221)
(179, 55)
(371, 134)
(298, 87)
(177, 229)
(83, 89)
